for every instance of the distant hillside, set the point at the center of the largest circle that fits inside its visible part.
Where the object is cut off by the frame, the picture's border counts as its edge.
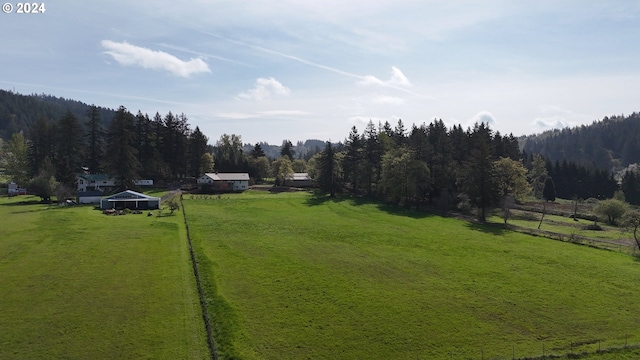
(610, 144)
(302, 150)
(18, 112)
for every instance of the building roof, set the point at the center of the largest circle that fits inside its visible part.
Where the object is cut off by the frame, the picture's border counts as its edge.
(228, 176)
(130, 195)
(90, 193)
(95, 177)
(299, 177)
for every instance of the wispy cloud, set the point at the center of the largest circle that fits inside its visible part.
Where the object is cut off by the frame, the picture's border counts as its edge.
(132, 55)
(201, 54)
(397, 81)
(264, 89)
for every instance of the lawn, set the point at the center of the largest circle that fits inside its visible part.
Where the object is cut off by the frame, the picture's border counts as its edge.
(79, 284)
(291, 276)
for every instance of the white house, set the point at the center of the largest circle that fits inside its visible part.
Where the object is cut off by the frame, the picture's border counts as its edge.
(102, 182)
(225, 181)
(94, 182)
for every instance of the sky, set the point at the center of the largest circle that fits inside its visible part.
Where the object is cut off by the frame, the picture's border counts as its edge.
(297, 70)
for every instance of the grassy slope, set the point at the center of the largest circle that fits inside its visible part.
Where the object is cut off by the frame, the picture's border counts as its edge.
(78, 284)
(299, 278)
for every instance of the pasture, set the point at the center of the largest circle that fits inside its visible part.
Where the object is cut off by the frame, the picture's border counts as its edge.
(79, 284)
(292, 276)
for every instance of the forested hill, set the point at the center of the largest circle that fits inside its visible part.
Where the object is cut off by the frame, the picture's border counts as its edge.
(18, 112)
(610, 144)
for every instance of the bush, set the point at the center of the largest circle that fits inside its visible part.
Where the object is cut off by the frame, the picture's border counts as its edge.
(594, 227)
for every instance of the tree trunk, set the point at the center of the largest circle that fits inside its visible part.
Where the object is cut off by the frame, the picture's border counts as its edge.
(544, 209)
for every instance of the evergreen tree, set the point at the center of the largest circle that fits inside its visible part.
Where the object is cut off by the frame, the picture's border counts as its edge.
(257, 151)
(95, 140)
(327, 175)
(477, 179)
(287, 149)
(372, 156)
(122, 162)
(631, 187)
(197, 148)
(69, 149)
(40, 144)
(549, 190)
(352, 158)
(440, 160)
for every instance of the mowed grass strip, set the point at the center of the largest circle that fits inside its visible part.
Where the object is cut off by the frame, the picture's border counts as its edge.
(79, 284)
(299, 277)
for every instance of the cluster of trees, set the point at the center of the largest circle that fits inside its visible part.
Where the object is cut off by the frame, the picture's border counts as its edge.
(574, 180)
(131, 148)
(427, 163)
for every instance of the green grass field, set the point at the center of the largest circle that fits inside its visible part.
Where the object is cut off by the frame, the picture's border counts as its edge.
(290, 276)
(77, 284)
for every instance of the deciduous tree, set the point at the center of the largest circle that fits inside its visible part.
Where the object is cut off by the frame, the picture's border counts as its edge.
(15, 159)
(611, 209)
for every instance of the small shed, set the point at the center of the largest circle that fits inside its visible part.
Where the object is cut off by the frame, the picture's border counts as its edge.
(130, 199)
(298, 180)
(13, 189)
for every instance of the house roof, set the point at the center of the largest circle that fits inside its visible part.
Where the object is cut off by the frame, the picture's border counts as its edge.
(90, 194)
(228, 176)
(130, 195)
(95, 177)
(299, 177)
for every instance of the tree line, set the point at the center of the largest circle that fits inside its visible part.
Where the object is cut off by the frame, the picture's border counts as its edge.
(132, 147)
(430, 163)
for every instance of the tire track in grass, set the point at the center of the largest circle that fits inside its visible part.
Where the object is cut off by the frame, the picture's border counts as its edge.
(203, 304)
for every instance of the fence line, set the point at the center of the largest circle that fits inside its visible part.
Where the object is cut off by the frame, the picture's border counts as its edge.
(203, 303)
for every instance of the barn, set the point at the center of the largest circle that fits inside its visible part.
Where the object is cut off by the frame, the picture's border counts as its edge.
(130, 199)
(224, 181)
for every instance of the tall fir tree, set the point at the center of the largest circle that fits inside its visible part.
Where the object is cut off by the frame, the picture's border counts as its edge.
(197, 148)
(41, 142)
(477, 179)
(95, 140)
(69, 149)
(122, 162)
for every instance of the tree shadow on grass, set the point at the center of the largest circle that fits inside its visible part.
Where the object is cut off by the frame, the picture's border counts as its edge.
(25, 202)
(397, 210)
(488, 228)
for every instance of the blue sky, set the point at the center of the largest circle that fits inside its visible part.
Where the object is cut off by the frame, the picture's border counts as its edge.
(274, 70)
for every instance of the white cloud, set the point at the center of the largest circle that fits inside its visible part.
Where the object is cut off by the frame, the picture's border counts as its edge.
(397, 79)
(264, 89)
(127, 54)
(482, 117)
(548, 123)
